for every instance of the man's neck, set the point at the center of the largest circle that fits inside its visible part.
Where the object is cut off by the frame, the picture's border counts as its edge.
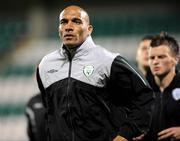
(71, 50)
(164, 81)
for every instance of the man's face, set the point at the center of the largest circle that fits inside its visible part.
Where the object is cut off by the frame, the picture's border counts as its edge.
(161, 60)
(142, 53)
(74, 27)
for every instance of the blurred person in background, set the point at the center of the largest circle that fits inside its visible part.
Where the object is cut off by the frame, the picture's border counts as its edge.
(142, 63)
(35, 114)
(142, 56)
(163, 59)
(89, 93)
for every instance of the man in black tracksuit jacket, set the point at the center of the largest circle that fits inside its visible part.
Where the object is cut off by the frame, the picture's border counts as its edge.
(163, 58)
(90, 93)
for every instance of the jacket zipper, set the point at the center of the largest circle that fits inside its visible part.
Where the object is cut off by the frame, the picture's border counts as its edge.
(68, 100)
(160, 113)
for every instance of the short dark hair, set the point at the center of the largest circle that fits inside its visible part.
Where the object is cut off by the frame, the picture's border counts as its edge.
(164, 39)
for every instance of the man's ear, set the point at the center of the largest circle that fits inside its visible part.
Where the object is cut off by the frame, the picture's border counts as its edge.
(90, 29)
(176, 60)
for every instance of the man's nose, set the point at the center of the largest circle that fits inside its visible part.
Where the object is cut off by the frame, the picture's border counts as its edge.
(69, 27)
(155, 60)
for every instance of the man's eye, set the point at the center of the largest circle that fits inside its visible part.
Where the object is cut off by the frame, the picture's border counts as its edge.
(77, 21)
(63, 22)
(162, 56)
(151, 58)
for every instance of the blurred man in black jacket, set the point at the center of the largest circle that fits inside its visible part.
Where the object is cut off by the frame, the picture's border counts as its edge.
(35, 113)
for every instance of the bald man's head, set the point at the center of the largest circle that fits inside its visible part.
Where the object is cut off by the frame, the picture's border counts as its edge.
(84, 14)
(74, 26)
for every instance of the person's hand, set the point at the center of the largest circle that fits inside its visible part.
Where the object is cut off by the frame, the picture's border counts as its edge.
(173, 133)
(139, 138)
(119, 138)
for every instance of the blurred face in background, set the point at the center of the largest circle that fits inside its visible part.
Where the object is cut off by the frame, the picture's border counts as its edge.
(74, 26)
(162, 61)
(142, 53)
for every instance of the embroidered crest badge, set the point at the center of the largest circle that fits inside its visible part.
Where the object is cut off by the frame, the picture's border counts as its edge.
(176, 93)
(88, 70)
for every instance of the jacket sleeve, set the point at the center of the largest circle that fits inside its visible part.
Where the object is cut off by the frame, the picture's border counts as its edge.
(131, 91)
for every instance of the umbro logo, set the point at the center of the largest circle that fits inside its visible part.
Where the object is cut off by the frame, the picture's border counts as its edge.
(52, 71)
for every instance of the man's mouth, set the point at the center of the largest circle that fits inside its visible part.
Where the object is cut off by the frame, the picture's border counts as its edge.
(68, 35)
(156, 69)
